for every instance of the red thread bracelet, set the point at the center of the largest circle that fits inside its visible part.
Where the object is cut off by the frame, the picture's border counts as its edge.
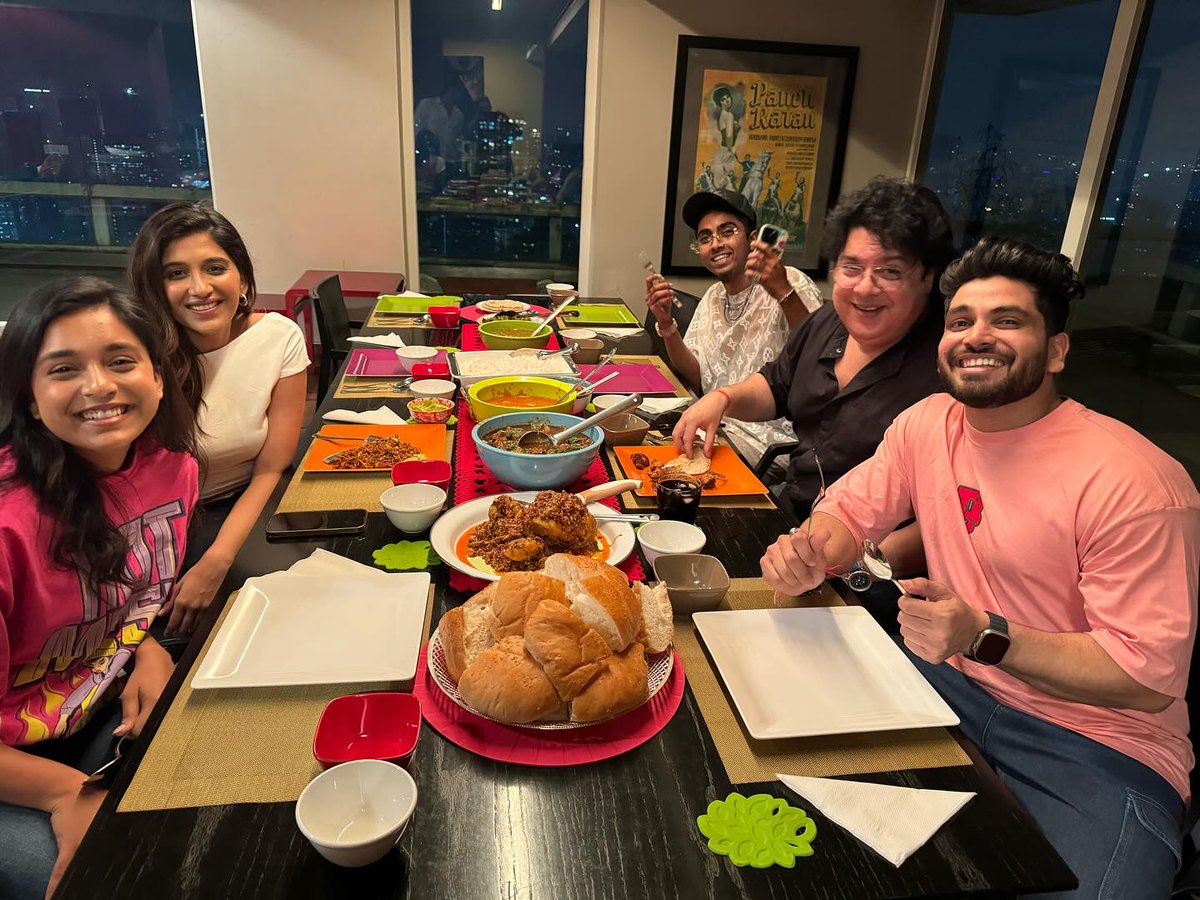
(724, 393)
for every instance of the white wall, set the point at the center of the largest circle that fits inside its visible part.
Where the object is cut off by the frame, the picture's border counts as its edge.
(301, 100)
(638, 42)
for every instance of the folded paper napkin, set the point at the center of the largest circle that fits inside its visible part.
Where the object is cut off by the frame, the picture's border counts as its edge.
(381, 416)
(656, 406)
(895, 822)
(391, 339)
(615, 333)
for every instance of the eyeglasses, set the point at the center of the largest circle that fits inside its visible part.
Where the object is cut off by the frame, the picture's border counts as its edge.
(850, 274)
(725, 232)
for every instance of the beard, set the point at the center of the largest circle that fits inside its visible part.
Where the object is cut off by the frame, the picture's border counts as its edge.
(1021, 381)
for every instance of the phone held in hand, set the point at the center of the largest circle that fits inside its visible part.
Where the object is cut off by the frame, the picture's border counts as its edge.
(320, 523)
(773, 235)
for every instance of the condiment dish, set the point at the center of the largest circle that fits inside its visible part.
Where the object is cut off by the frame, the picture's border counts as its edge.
(412, 507)
(669, 537)
(354, 813)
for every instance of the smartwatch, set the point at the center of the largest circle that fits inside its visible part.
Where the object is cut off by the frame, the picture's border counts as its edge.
(992, 643)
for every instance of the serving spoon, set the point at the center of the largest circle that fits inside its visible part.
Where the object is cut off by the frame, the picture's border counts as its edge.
(554, 315)
(531, 440)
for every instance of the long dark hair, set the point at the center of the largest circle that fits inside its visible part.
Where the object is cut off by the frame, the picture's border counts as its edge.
(171, 223)
(66, 486)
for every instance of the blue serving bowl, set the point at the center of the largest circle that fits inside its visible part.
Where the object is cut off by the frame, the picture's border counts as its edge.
(530, 472)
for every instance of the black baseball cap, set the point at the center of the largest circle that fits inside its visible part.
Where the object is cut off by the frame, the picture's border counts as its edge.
(702, 203)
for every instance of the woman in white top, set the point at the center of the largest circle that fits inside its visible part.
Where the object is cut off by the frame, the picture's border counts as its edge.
(243, 373)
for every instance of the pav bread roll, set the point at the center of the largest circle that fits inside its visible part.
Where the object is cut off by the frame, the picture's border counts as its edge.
(516, 596)
(568, 650)
(658, 622)
(619, 687)
(464, 632)
(600, 595)
(507, 684)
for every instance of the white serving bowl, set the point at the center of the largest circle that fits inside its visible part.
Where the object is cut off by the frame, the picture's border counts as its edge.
(576, 334)
(604, 401)
(433, 387)
(353, 814)
(410, 355)
(413, 507)
(667, 537)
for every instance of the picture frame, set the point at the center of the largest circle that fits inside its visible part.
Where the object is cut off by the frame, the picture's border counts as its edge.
(764, 118)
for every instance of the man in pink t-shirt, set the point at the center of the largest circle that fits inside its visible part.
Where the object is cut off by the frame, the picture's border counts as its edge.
(1063, 551)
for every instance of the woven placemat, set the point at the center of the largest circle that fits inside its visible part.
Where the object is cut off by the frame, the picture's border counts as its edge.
(748, 760)
(234, 746)
(310, 491)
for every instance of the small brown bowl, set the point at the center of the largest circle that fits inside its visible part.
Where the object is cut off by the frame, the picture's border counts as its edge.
(695, 581)
(589, 351)
(624, 430)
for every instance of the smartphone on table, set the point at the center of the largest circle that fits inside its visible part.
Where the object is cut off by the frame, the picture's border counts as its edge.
(316, 524)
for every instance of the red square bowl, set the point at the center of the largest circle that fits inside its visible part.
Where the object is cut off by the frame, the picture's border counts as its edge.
(368, 726)
(423, 471)
(430, 370)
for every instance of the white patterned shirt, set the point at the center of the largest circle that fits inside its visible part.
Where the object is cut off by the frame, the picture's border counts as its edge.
(730, 352)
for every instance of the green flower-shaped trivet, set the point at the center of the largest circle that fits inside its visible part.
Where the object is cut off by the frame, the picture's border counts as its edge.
(406, 555)
(758, 831)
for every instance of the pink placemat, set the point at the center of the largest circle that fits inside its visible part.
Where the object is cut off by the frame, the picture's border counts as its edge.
(382, 362)
(472, 478)
(530, 747)
(640, 377)
(472, 341)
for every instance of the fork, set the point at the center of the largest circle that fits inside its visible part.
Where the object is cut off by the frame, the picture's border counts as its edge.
(400, 385)
(816, 500)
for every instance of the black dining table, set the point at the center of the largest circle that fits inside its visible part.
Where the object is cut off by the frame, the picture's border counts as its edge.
(621, 828)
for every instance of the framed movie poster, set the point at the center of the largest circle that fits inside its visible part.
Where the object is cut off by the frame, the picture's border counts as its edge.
(768, 120)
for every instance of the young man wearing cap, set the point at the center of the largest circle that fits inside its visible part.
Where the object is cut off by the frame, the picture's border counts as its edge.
(744, 319)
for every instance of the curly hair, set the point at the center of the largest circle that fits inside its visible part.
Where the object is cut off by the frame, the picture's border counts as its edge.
(145, 272)
(1050, 275)
(65, 485)
(903, 216)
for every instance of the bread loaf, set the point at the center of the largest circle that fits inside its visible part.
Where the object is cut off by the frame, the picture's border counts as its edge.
(619, 687)
(464, 632)
(506, 683)
(600, 596)
(658, 623)
(516, 596)
(568, 650)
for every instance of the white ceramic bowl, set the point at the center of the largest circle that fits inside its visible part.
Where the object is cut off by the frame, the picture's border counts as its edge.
(666, 537)
(433, 387)
(604, 401)
(413, 507)
(410, 355)
(577, 334)
(353, 814)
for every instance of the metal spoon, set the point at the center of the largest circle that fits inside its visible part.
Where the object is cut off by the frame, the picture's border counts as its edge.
(877, 564)
(544, 354)
(540, 440)
(400, 385)
(554, 315)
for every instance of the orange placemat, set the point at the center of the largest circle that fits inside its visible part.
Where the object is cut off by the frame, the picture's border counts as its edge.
(739, 481)
(430, 440)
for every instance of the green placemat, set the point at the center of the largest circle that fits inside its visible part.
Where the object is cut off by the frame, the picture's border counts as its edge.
(394, 303)
(598, 314)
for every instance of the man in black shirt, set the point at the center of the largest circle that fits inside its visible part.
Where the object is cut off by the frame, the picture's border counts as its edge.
(853, 365)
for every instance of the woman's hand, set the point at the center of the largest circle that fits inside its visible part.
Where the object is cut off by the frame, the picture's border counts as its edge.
(659, 298)
(70, 818)
(194, 593)
(152, 666)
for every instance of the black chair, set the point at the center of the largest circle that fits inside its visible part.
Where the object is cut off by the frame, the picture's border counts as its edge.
(334, 326)
(683, 318)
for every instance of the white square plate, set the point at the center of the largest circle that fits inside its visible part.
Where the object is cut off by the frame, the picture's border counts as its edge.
(807, 672)
(289, 629)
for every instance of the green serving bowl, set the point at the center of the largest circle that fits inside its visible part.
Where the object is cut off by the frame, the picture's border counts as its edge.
(512, 334)
(486, 397)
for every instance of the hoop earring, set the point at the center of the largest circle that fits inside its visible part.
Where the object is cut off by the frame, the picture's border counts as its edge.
(244, 301)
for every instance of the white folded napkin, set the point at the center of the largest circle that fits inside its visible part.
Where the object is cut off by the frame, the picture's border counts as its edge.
(391, 339)
(615, 333)
(656, 406)
(381, 416)
(895, 822)
(322, 562)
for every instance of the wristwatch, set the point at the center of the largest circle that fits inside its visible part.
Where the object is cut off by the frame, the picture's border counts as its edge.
(658, 326)
(858, 578)
(992, 643)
